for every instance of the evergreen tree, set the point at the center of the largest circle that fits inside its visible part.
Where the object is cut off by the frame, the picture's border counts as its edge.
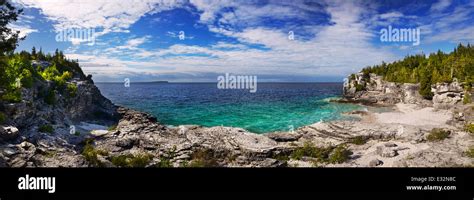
(8, 38)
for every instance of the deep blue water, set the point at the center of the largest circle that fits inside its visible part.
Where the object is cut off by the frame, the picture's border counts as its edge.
(274, 107)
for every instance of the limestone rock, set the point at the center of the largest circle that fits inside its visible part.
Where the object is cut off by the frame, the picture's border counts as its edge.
(375, 162)
(284, 136)
(8, 133)
(386, 152)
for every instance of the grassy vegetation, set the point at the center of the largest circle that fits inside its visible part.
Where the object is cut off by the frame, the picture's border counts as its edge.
(72, 89)
(467, 98)
(359, 87)
(358, 140)
(281, 157)
(50, 154)
(12, 96)
(330, 154)
(165, 160)
(91, 154)
(437, 134)
(340, 154)
(470, 152)
(203, 158)
(129, 160)
(470, 128)
(47, 128)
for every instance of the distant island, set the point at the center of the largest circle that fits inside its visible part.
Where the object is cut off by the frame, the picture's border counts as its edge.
(138, 82)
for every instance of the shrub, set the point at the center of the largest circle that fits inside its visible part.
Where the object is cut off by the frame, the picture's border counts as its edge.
(203, 158)
(330, 154)
(90, 154)
(50, 73)
(470, 152)
(359, 87)
(358, 140)
(469, 128)
(467, 98)
(281, 157)
(46, 128)
(309, 150)
(26, 78)
(340, 154)
(129, 160)
(165, 160)
(12, 96)
(437, 134)
(72, 89)
(164, 163)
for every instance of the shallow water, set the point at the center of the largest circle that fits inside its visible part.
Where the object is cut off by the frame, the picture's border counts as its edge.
(274, 107)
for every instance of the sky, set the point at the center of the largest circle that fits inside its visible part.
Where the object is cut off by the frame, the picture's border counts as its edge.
(277, 41)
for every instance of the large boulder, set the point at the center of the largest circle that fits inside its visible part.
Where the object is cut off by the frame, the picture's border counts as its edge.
(447, 95)
(8, 133)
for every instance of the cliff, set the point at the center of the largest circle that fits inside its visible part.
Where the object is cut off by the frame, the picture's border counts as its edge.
(372, 89)
(36, 133)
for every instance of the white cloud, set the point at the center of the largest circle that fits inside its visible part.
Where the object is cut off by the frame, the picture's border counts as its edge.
(440, 5)
(390, 15)
(24, 29)
(338, 49)
(109, 15)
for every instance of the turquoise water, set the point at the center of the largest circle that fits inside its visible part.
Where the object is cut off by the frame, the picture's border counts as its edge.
(274, 107)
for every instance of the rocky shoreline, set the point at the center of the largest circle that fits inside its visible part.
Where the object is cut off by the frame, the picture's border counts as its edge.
(396, 138)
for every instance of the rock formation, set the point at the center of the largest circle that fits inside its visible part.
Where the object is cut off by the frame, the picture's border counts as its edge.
(140, 140)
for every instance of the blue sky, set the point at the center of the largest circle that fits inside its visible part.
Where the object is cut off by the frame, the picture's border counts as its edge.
(140, 39)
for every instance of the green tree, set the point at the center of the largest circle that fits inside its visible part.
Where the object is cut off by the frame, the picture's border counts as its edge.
(8, 38)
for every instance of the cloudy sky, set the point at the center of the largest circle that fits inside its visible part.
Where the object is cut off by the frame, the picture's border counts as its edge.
(140, 39)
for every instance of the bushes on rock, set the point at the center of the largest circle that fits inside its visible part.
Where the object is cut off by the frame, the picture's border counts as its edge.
(26, 78)
(129, 160)
(467, 98)
(470, 128)
(52, 74)
(359, 87)
(470, 152)
(46, 128)
(164, 163)
(165, 160)
(330, 154)
(203, 158)
(91, 154)
(339, 155)
(72, 89)
(309, 150)
(12, 96)
(437, 134)
(358, 140)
